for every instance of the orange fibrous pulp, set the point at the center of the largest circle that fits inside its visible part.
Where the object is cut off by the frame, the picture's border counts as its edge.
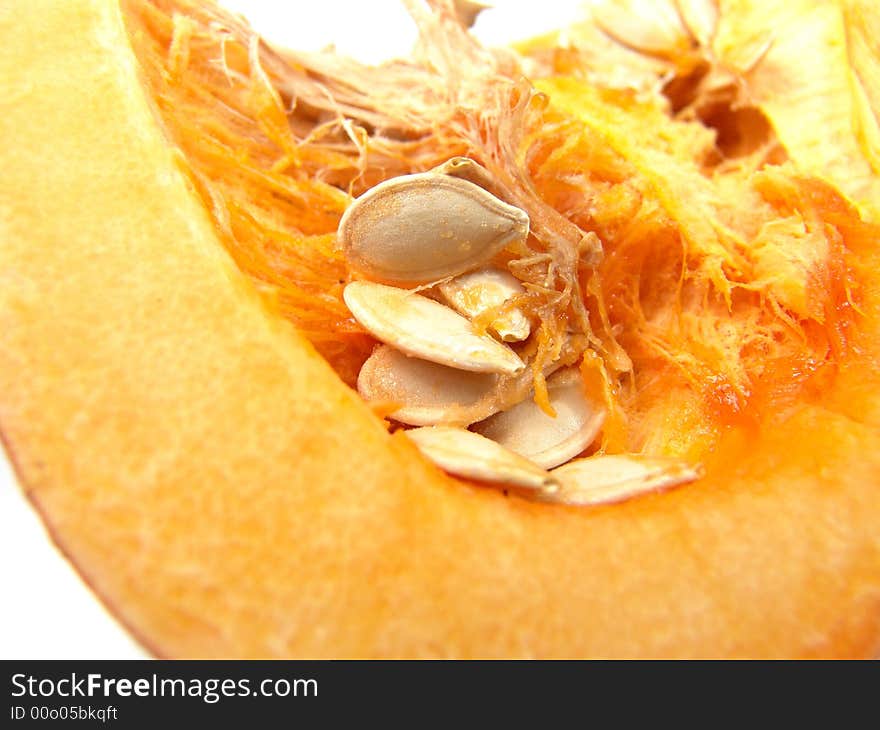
(696, 260)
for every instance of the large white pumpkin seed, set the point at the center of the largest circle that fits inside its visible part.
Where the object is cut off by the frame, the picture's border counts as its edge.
(426, 329)
(473, 293)
(431, 394)
(426, 227)
(614, 478)
(547, 441)
(469, 455)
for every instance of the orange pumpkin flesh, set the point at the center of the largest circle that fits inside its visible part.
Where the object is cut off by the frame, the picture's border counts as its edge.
(226, 494)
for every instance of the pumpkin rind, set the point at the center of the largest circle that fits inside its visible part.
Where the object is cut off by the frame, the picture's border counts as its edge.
(226, 495)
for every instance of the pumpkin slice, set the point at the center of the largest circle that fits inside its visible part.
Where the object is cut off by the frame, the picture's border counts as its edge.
(226, 494)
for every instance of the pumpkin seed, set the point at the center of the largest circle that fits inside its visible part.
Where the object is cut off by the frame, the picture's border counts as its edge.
(426, 227)
(472, 171)
(618, 477)
(649, 28)
(423, 328)
(467, 11)
(431, 394)
(700, 19)
(545, 440)
(476, 292)
(467, 454)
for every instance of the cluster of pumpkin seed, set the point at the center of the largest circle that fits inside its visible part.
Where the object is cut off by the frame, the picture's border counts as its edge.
(437, 233)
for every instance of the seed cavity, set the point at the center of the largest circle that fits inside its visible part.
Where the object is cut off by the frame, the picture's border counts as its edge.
(431, 394)
(426, 329)
(618, 477)
(469, 455)
(419, 228)
(445, 369)
(545, 440)
(478, 292)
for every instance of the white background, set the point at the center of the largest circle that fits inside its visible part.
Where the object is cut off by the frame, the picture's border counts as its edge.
(46, 610)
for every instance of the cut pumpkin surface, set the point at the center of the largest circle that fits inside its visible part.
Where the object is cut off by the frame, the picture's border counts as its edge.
(226, 494)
